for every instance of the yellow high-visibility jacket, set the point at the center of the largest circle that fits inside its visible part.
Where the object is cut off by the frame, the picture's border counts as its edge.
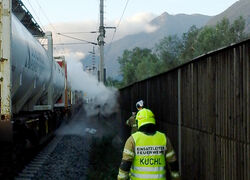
(149, 155)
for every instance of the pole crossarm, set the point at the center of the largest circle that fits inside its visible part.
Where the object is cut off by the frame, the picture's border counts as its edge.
(91, 32)
(110, 27)
(77, 39)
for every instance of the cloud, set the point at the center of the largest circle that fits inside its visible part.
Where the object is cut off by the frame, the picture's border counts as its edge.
(149, 28)
(141, 17)
(135, 24)
(131, 25)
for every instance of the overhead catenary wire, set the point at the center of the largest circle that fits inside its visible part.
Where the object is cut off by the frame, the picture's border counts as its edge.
(118, 24)
(35, 14)
(57, 32)
(62, 44)
(53, 27)
(91, 32)
(41, 10)
(77, 39)
(45, 15)
(122, 14)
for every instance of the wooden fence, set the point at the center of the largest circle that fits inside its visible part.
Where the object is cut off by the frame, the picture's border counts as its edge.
(204, 108)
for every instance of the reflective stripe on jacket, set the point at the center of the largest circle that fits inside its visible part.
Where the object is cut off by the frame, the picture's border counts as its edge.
(149, 160)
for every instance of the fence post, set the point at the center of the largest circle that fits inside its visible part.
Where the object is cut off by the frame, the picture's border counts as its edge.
(179, 118)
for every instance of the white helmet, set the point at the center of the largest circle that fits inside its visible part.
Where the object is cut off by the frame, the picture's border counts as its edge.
(139, 104)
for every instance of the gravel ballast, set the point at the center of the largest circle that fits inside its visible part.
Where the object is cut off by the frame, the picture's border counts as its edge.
(69, 160)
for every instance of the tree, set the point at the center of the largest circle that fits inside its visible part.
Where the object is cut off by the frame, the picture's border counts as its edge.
(148, 67)
(207, 40)
(169, 50)
(137, 64)
(111, 82)
(200, 41)
(238, 28)
(189, 39)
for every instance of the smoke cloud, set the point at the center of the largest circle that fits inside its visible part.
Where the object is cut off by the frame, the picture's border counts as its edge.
(100, 103)
(99, 98)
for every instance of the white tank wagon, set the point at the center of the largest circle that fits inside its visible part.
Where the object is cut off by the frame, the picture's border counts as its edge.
(32, 71)
(34, 91)
(31, 84)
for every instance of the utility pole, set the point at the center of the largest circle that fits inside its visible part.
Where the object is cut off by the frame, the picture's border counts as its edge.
(101, 41)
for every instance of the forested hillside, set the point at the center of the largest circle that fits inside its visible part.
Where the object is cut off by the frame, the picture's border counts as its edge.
(171, 51)
(240, 8)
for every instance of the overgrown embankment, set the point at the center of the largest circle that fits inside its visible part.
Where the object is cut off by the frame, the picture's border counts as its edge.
(104, 159)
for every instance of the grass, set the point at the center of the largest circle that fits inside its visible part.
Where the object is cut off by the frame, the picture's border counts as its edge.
(104, 160)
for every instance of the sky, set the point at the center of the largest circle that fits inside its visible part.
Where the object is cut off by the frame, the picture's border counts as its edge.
(60, 16)
(85, 10)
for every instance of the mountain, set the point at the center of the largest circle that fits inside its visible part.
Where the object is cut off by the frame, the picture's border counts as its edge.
(240, 8)
(176, 24)
(166, 25)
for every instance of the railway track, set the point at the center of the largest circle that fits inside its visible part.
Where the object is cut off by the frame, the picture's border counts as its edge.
(65, 157)
(31, 170)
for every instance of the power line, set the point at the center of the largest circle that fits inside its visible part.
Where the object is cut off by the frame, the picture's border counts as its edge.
(80, 32)
(77, 39)
(53, 27)
(118, 24)
(45, 15)
(35, 13)
(62, 44)
(122, 14)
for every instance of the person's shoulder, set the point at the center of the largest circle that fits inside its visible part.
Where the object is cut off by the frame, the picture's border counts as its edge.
(136, 133)
(132, 117)
(130, 139)
(162, 133)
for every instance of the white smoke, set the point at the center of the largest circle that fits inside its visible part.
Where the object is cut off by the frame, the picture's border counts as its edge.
(100, 100)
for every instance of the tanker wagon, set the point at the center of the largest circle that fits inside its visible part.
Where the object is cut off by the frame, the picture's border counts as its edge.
(32, 86)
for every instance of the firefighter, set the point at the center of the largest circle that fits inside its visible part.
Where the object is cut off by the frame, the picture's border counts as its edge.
(131, 122)
(147, 153)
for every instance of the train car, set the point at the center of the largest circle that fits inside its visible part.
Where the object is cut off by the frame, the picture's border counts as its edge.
(35, 94)
(71, 100)
(37, 83)
(34, 90)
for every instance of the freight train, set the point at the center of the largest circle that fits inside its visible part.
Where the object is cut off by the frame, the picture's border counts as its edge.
(35, 94)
